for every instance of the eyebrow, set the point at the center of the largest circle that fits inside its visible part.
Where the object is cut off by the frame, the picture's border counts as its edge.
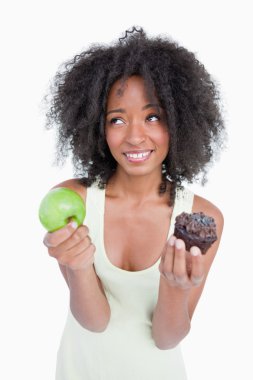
(122, 110)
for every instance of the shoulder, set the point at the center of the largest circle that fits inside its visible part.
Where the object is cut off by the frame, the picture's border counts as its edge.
(208, 208)
(204, 205)
(73, 184)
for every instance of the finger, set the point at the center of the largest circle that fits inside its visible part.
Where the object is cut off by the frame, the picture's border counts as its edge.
(179, 267)
(197, 270)
(53, 239)
(62, 254)
(78, 235)
(83, 260)
(168, 259)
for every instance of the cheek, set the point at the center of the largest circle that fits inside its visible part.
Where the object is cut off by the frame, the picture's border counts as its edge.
(113, 139)
(162, 138)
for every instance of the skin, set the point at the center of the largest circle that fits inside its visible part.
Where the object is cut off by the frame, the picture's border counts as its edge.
(137, 220)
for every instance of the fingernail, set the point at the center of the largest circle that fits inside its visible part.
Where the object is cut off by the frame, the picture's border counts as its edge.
(73, 224)
(179, 244)
(172, 241)
(195, 251)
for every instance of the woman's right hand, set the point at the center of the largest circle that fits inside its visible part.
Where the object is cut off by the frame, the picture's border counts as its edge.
(71, 246)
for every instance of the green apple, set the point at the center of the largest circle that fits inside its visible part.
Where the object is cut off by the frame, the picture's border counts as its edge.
(59, 206)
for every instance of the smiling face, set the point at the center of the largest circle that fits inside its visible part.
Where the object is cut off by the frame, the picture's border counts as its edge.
(135, 127)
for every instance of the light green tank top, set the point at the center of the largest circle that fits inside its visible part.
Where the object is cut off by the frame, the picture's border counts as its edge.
(125, 350)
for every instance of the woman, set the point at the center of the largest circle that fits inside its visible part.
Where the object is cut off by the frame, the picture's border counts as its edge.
(140, 116)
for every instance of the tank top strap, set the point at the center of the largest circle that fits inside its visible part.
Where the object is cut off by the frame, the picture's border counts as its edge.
(95, 202)
(95, 197)
(183, 203)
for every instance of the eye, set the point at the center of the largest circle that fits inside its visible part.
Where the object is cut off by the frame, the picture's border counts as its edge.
(153, 117)
(115, 121)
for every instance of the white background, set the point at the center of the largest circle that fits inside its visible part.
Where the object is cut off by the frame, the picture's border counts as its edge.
(36, 37)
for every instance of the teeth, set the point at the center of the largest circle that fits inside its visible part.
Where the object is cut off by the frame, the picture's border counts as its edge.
(138, 155)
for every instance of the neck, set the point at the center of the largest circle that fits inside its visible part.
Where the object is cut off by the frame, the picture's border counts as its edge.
(137, 188)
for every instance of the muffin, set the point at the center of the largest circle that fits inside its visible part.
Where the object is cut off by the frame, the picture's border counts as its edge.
(196, 229)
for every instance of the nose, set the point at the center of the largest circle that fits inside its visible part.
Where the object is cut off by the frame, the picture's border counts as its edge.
(135, 133)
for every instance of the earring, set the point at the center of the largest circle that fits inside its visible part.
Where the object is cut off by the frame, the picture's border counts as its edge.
(165, 174)
(168, 177)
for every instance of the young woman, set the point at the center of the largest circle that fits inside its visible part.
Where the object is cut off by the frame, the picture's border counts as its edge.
(140, 116)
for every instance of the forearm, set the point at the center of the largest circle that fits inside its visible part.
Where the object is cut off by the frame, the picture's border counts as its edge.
(171, 322)
(88, 302)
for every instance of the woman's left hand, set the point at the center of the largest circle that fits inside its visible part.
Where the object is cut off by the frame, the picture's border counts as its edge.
(180, 268)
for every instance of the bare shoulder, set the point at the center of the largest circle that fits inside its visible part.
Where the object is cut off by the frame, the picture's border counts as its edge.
(204, 205)
(74, 184)
(208, 208)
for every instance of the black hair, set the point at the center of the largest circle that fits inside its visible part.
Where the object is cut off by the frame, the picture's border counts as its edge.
(185, 90)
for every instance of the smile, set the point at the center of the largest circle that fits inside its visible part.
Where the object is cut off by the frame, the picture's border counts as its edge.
(138, 157)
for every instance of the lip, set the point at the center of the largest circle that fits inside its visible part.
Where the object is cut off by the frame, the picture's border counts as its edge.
(138, 155)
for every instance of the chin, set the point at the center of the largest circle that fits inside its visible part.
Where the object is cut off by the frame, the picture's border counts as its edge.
(140, 171)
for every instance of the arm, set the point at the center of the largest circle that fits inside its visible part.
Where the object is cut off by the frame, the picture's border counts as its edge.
(171, 321)
(183, 276)
(74, 251)
(88, 302)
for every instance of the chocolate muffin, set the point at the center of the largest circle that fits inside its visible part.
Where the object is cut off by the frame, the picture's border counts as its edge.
(196, 229)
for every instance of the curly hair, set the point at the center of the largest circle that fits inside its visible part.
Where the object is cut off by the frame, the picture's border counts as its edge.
(184, 88)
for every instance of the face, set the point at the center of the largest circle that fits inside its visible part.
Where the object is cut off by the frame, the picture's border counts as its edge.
(135, 128)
